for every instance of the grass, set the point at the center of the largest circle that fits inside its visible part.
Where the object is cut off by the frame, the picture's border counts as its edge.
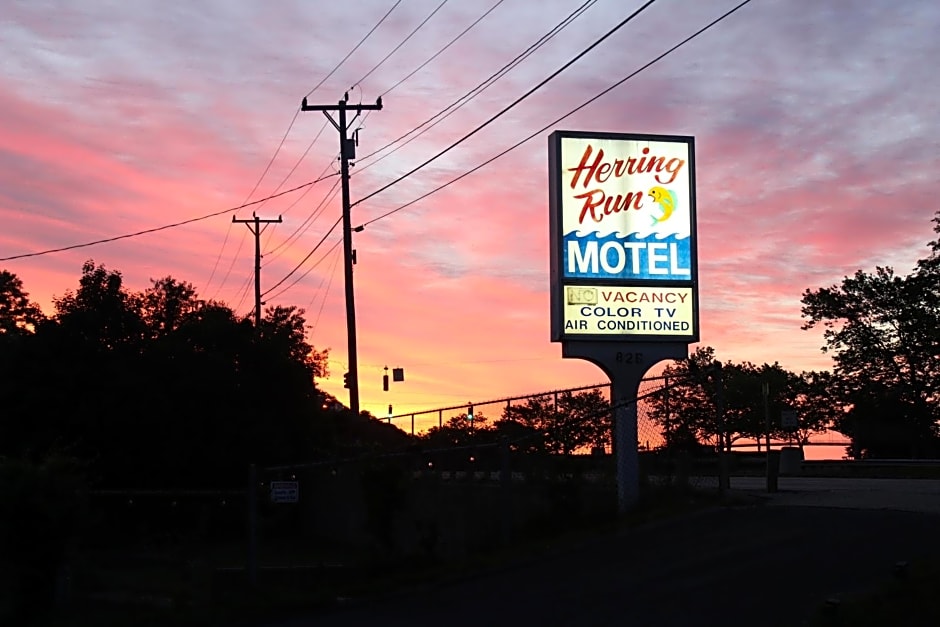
(909, 600)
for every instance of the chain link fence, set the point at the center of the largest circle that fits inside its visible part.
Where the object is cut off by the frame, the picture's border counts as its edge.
(464, 484)
(474, 476)
(653, 427)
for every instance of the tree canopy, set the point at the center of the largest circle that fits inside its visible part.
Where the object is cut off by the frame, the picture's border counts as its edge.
(561, 423)
(687, 409)
(18, 315)
(160, 388)
(883, 331)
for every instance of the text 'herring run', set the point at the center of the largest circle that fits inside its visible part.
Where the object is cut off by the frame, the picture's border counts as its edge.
(596, 202)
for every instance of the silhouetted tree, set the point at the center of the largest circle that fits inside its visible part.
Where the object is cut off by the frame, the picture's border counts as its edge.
(165, 302)
(18, 315)
(576, 421)
(162, 389)
(101, 312)
(284, 331)
(459, 430)
(882, 330)
(19, 319)
(813, 396)
(688, 410)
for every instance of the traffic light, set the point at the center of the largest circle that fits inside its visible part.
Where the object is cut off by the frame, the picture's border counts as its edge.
(346, 380)
(385, 383)
(470, 414)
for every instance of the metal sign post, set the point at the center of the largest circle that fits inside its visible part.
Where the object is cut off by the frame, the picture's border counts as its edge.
(625, 365)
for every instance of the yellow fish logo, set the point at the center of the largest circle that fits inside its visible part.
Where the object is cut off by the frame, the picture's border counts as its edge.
(666, 199)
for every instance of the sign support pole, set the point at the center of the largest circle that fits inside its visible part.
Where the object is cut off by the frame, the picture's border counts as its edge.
(623, 265)
(625, 364)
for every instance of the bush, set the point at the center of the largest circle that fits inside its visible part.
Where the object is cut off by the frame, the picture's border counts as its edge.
(41, 509)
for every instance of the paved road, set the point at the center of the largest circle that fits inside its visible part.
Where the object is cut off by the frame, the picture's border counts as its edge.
(912, 495)
(748, 566)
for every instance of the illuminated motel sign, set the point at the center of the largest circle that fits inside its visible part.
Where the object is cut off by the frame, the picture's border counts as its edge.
(623, 243)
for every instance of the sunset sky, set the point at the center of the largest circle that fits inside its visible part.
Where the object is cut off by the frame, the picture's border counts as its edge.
(817, 130)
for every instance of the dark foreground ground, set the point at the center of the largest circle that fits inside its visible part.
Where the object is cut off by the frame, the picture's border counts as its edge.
(725, 566)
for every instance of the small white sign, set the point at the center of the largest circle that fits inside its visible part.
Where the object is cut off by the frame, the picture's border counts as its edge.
(789, 419)
(285, 491)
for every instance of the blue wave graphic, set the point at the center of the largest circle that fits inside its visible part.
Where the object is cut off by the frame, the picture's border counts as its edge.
(595, 256)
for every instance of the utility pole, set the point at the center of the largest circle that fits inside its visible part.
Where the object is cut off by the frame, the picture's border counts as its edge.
(254, 225)
(347, 151)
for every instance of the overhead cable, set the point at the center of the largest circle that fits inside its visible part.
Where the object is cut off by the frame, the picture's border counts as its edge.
(565, 116)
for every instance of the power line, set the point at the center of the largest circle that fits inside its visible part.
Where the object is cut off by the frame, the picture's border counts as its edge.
(356, 47)
(312, 215)
(507, 108)
(243, 291)
(228, 272)
(116, 238)
(218, 258)
(326, 294)
(317, 86)
(373, 220)
(294, 169)
(441, 51)
(418, 69)
(242, 294)
(247, 198)
(304, 260)
(403, 42)
(567, 115)
(280, 145)
(308, 222)
(309, 270)
(241, 242)
(458, 104)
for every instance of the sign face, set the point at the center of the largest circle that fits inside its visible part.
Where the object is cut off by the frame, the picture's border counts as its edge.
(285, 491)
(596, 309)
(623, 248)
(789, 419)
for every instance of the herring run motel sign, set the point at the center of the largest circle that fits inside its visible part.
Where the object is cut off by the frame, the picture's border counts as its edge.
(623, 245)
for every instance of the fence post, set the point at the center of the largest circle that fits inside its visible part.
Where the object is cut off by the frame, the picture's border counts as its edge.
(252, 566)
(666, 425)
(724, 479)
(505, 488)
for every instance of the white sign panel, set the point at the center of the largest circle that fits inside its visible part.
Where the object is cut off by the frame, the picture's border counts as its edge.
(603, 310)
(623, 227)
(285, 491)
(626, 209)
